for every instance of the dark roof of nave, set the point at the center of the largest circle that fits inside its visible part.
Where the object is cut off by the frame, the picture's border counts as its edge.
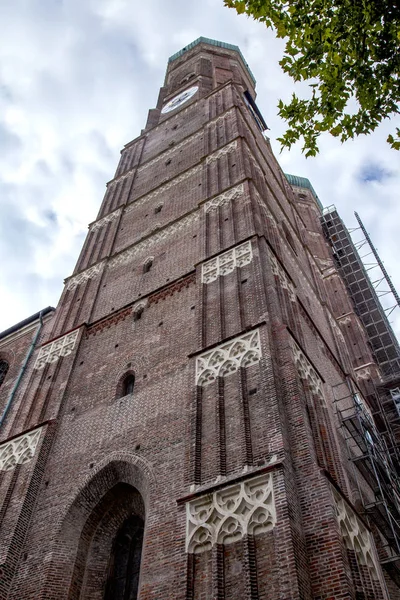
(26, 321)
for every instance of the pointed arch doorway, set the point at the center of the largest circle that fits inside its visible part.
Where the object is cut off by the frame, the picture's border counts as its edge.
(108, 559)
(97, 553)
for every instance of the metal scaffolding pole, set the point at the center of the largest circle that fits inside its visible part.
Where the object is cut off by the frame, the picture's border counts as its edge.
(378, 260)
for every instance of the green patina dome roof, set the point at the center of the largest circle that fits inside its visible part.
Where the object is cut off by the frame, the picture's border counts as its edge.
(303, 182)
(204, 40)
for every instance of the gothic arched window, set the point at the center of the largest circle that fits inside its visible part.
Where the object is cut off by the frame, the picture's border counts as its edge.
(123, 579)
(128, 384)
(3, 370)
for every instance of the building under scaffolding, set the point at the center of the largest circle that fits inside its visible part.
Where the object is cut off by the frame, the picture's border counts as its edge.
(373, 450)
(370, 425)
(382, 340)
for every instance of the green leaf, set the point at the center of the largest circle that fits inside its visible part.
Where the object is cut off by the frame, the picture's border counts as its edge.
(348, 52)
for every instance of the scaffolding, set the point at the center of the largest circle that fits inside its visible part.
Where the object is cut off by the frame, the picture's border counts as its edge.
(375, 455)
(379, 264)
(367, 306)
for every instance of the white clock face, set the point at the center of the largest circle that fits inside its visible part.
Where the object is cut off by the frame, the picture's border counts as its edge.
(180, 99)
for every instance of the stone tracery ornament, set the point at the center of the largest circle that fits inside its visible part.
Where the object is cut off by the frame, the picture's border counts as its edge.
(221, 152)
(171, 150)
(362, 373)
(256, 165)
(336, 328)
(226, 263)
(284, 280)
(116, 180)
(306, 371)
(228, 514)
(50, 353)
(224, 198)
(356, 536)
(18, 451)
(242, 351)
(221, 118)
(165, 187)
(90, 273)
(264, 208)
(107, 219)
(125, 256)
(344, 320)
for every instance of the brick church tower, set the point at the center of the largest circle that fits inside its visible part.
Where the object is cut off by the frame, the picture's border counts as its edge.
(196, 420)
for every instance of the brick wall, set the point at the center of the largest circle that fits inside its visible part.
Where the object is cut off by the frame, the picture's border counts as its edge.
(199, 182)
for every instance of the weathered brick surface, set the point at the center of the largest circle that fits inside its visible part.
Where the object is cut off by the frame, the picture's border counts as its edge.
(197, 182)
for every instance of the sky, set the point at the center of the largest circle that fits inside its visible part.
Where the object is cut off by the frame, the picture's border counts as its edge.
(77, 79)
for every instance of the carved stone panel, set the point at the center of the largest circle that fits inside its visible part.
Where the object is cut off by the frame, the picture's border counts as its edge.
(227, 262)
(242, 351)
(284, 279)
(90, 273)
(226, 515)
(221, 152)
(18, 451)
(107, 219)
(50, 353)
(306, 371)
(355, 534)
(224, 198)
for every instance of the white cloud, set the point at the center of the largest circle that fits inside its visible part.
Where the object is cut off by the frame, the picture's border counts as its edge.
(76, 82)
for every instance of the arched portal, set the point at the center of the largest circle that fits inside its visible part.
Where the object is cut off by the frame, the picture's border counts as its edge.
(100, 572)
(98, 551)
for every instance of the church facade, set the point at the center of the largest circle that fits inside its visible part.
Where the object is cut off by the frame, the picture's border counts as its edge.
(199, 418)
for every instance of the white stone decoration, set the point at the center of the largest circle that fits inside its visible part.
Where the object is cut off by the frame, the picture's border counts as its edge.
(228, 514)
(362, 373)
(355, 534)
(224, 198)
(179, 99)
(107, 219)
(336, 328)
(51, 352)
(290, 258)
(129, 253)
(324, 263)
(264, 207)
(170, 150)
(330, 273)
(221, 152)
(242, 351)
(284, 280)
(125, 175)
(227, 262)
(152, 161)
(18, 451)
(256, 165)
(344, 320)
(266, 211)
(90, 273)
(163, 188)
(307, 371)
(220, 118)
